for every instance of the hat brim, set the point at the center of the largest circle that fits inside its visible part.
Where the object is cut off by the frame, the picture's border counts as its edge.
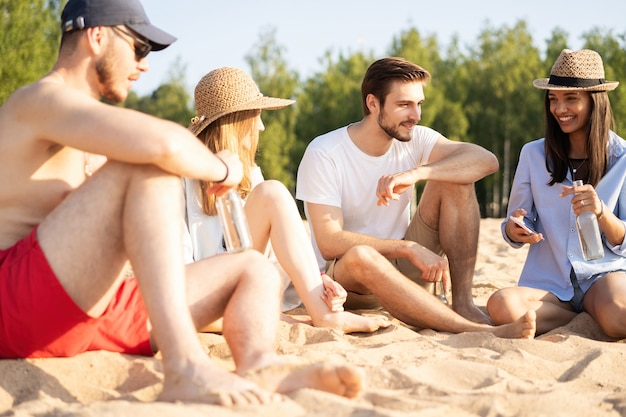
(158, 38)
(544, 84)
(261, 103)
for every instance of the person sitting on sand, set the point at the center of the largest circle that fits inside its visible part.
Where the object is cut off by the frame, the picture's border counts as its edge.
(356, 184)
(67, 238)
(228, 104)
(579, 144)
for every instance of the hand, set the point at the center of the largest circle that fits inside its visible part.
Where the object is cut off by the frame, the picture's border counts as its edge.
(434, 268)
(235, 173)
(390, 187)
(584, 199)
(517, 233)
(334, 294)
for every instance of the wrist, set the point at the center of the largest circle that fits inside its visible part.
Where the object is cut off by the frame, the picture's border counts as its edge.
(601, 215)
(225, 175)
(415, 173)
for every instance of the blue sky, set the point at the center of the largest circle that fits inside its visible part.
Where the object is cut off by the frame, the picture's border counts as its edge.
(215, 33)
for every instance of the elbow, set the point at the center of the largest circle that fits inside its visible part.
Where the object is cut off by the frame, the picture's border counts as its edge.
(329, 252)
(168, 149)
(492, 165)
(326, 253)
(488, 162)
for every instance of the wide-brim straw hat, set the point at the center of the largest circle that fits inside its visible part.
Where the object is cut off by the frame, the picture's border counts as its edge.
(577, 70)
(227, 90)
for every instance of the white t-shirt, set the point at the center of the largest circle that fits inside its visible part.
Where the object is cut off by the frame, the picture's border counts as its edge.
(335, 172)
(204, 234)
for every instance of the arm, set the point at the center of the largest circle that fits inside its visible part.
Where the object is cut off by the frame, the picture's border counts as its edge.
(457, 162)
(449, 161)
(69, 117)
(333, 242)
(521, 199)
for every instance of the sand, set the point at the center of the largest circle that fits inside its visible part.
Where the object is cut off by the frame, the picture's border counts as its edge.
(572, 371)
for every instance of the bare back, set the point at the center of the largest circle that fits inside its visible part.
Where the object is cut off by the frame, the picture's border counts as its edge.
(37, 172)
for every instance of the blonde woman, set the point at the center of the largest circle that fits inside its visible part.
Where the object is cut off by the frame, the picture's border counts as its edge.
(228, 104)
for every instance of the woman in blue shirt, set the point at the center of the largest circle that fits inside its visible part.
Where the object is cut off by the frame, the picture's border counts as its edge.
(556, 281)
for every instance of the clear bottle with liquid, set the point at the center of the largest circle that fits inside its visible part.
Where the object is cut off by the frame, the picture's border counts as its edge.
(589, 233)
(234, 222)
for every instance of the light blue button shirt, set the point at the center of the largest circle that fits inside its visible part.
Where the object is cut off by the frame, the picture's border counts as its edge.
(549, 262)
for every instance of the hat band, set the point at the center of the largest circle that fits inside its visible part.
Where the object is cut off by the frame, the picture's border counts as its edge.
(575, 82)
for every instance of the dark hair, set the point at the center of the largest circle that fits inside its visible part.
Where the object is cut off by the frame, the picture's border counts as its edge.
(557, 143)
(382, 73)
(70, 39)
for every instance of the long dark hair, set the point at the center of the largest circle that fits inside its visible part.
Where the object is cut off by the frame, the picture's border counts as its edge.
(557, 143)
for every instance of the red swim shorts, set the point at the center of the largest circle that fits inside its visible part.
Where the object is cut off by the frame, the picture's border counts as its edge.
(38, 319)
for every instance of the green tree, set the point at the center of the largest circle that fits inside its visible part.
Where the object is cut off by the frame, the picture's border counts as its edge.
(503, 108)
(332, 98)
(613, 54)
(425, 53)
(170, 100)
(276, 144)
(452, 79)
(554, 45)
(29, 41)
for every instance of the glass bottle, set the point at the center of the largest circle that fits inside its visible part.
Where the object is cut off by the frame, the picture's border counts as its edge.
(589, 233)
(234, 222)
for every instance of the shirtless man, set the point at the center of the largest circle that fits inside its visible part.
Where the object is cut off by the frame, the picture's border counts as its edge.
(356, 183)
(66, 238)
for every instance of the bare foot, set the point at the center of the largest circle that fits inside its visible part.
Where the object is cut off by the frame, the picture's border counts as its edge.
(208, 383)
(523, 328)
(472, 313)
(352, 323)
(344, 380)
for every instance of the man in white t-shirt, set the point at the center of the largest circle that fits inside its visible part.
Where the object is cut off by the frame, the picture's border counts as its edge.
(356, 183)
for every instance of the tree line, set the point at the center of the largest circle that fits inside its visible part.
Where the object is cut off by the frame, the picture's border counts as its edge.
(480, 92)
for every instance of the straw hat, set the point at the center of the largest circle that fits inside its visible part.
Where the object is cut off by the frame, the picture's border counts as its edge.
(577, 70)
(227, 90)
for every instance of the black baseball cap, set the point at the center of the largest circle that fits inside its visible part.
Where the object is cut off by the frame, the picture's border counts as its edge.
(81, 14)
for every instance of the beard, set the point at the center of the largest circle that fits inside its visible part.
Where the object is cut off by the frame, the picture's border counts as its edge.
(393, 131)
(105, 70)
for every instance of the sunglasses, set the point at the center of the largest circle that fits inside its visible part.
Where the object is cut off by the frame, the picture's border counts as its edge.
(141, 47)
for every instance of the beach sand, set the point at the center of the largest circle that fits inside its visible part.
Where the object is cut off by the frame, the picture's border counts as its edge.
(572, 371)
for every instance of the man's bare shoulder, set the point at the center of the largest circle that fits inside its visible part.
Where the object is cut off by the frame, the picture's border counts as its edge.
(26, 108)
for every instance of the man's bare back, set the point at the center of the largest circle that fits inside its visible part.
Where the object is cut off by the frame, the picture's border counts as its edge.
(40, 173)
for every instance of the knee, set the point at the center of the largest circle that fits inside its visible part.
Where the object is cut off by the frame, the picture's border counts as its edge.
(362, 259)
(612, 320)
(272, 188)
(439, 194)
(260, 270)
(501, 306)
(123, 172)
(459, 191)
(272, 191)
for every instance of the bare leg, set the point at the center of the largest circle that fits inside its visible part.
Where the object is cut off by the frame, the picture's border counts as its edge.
(605, 301)
(127, 212)
(246, 288)
(509, 304)
(273, 215)
(453, 210)
(365, 271)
